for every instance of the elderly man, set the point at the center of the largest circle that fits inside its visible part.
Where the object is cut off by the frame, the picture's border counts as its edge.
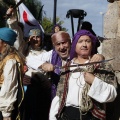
(11, 68)
(56, 57)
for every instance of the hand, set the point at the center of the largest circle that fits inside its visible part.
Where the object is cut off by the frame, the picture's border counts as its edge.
(48, 67)
(89, 78)
(9, 11)
(6, 118)
(25, 68)
(30, 38)
(97, 57)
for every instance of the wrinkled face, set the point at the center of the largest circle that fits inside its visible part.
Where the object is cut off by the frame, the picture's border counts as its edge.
(57, 29)
(62, 45)
(35, 41)
(2, 46)
(84, 46)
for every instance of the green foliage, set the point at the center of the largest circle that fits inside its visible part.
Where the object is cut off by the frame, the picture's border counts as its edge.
(48, 24)
(35, 8)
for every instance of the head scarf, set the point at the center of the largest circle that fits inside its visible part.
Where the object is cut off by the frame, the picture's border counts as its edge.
(35, 32)
(75, 40)
(8, 35)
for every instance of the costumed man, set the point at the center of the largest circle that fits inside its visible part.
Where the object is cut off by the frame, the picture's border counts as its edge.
(56, 57)
(83, 90)
(11, 74)
(36, 84)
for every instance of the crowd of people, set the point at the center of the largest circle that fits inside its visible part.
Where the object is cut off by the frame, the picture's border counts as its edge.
(36, 84)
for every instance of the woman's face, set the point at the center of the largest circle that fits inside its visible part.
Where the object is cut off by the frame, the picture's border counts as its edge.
(2, 46)
(84, 46)
(57, 29)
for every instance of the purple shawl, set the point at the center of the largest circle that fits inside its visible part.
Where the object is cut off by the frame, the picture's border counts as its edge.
(56, 60)
(75, 40)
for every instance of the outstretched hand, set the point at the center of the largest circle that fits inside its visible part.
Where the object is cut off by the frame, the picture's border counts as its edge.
(89, 78)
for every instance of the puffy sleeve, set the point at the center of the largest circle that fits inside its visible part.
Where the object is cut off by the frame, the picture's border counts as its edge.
(54, 108)
(102, 91)
(103, 88)
(9, 88)
(36, 61)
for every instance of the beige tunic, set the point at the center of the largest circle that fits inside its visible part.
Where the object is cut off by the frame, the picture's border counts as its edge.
(9, 88)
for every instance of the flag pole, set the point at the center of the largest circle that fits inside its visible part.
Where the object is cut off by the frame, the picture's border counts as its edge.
(14, 7)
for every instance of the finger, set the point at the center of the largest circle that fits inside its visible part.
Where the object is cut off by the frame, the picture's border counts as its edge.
(94, 59)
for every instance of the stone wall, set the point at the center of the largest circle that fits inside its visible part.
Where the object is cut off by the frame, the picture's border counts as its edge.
(111, 49)
(111, 46)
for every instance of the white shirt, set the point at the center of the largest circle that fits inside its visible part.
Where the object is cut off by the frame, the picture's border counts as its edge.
(32, 54)
(9, 88)
(99, 90)
(36, 61)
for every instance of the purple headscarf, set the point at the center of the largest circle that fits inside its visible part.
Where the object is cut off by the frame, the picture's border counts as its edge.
(75, 40)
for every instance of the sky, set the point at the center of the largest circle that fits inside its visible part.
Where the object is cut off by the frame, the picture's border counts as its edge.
(94, 8)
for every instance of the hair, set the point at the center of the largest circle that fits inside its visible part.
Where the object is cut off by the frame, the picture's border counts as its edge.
(56, 25)
(9, 49)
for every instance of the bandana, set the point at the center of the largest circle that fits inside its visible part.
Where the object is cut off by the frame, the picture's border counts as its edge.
(8, 35)
(35, 32)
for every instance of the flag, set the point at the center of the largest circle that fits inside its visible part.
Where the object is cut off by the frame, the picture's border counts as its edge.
(27, 19)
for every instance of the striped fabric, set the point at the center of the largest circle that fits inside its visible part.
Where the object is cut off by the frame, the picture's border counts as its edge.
(98, 113)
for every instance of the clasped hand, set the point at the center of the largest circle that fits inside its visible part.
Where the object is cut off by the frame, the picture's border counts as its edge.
(89, 78)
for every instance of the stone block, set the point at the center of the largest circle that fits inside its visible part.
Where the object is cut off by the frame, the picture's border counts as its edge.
(111, 49)
(111, 20)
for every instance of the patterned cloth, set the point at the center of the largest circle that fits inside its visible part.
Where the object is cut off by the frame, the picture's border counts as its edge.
(105, 73)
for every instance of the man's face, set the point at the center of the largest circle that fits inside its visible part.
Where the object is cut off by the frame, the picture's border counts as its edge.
(84, 46)
(62, 46)
(35, 41)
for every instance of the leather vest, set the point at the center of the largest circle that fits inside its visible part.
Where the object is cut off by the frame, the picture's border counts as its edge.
(3, 63)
